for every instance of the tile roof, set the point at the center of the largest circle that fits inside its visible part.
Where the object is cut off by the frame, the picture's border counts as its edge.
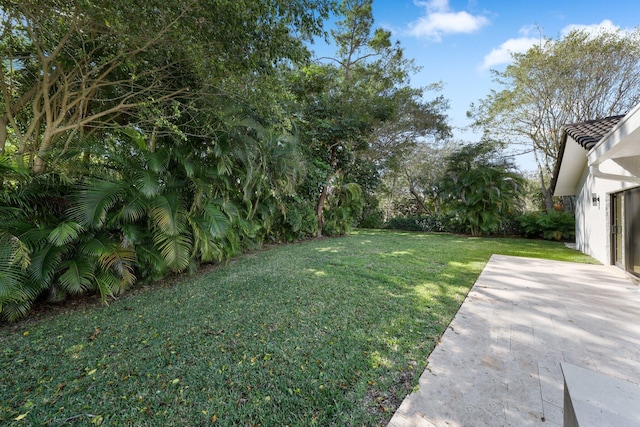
(587, 134)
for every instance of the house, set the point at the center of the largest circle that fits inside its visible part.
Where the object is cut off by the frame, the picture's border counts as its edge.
(600, 165)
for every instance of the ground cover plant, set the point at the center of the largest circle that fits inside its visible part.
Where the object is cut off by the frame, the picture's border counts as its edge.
(325, 332)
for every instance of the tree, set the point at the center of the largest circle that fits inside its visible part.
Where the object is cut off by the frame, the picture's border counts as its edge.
(346, 97)
(131, 147)
(73, 68)
(411, 187)
(413, 122)
(583, 76)
(481, 188)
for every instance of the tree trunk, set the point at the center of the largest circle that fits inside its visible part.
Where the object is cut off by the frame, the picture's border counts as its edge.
(39, 163)
(546, 192)
(323, 193)
(3, 134)
(320, 209)
(421, 206)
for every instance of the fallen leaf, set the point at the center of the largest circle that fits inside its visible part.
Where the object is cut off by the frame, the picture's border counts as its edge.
(21, 417)
(95, 334)
(214, 419)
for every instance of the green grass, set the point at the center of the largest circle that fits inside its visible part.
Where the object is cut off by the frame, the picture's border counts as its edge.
(327, 332)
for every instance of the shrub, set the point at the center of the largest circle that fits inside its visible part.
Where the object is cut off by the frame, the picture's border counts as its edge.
(374, 219)
(436, 223)
(555, 225)
(481, 188)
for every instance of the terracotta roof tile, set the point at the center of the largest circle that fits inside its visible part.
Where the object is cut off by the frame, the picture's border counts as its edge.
(587, 134)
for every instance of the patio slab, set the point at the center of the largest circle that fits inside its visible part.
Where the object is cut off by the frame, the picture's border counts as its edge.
(498, 362)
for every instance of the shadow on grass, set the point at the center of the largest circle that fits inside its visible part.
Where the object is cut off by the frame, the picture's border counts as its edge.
(329, 332)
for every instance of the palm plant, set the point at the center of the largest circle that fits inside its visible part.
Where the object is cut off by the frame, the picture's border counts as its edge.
(133, 211)
(47, 253)
(481, 188)
(344, 205)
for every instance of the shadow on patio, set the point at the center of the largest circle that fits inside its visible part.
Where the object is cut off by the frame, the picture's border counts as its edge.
(498, 363)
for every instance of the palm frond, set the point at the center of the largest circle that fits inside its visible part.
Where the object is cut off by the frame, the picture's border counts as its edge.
(45, 263)
(158, 160)
(133, 210)
(121, 261)
(204, 243)
(94, 201)
(20, 253)
(14, 310)
(96, 246)
(9, 166)
(175, 250)
(151, 265)
(229, 208)
(148, 183)
(65, 233)
(108, 284)
(169, 215)
(78, 276)
(217, 221)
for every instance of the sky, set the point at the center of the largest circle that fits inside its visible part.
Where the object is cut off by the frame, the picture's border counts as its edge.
(458, 42)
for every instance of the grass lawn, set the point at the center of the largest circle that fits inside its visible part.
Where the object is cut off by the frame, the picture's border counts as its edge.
(326, 332)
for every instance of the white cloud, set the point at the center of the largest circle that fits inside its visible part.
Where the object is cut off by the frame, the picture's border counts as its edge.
(440, 20)
(606, 26)
(502, 55)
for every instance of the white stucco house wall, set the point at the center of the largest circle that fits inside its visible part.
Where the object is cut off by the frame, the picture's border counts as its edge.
(600, 165)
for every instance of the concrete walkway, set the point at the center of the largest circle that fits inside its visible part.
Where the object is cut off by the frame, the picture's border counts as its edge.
(498, 363)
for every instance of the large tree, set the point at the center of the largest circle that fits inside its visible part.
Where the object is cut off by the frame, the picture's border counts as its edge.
(411, 185)
(582, 76)
(71, 68)
(359, 105)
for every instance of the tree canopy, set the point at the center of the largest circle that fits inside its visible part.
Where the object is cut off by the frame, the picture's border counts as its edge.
(581, 76)
(74, 68)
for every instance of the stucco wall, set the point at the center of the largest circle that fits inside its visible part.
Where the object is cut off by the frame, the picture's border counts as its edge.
(593, 223)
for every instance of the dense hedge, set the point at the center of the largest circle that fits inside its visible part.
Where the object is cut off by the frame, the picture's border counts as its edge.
(549, 226)
(439, 223)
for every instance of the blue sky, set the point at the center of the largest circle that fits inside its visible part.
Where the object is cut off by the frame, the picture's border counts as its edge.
(457, 42)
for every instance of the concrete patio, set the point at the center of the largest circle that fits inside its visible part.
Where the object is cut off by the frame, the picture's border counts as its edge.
(498, 363)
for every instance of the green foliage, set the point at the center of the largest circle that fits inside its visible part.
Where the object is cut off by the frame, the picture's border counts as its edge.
(146, 212)
(299, 221)
(481, 189)
(131, 149)
(162, 73)
(358, 110)
(556, 225)
(48, 254)
(343, 207)
(578, 77)
(434, 223)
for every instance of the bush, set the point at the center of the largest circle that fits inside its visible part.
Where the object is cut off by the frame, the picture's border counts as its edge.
(437, 223)
(481, 187)
(549, 226)
(510, 226)
(449, 223)
(374, 219)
